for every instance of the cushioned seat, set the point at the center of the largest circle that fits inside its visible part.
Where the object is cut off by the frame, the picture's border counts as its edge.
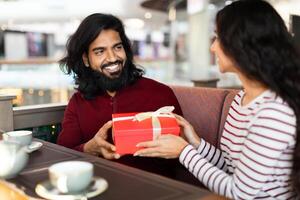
(206, 109)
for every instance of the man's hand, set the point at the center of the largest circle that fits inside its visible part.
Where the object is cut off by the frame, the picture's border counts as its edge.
(99, 146)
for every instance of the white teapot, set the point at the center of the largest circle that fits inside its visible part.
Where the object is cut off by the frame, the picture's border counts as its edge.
(14, 158)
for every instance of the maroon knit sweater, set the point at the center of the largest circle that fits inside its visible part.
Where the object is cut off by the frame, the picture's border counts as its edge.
(83, 118)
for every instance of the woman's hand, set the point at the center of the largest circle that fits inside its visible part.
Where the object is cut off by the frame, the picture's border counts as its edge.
(188, 131)
(165, 146)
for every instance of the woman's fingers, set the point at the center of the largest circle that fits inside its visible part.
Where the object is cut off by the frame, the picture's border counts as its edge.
(181, 121)
(177, 116)
(166, 146)
(148, 144)
(150, 148)
(154, 152)
(148, 152)
(180, 118)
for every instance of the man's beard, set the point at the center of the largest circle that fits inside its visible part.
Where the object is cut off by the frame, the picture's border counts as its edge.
(111, 84)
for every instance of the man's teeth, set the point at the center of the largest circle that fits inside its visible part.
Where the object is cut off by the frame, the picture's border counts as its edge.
(112, 67)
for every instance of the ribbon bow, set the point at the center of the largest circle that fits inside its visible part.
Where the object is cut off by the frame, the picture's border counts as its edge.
(162, 112)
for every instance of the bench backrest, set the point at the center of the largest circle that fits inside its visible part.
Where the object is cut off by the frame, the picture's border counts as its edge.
(205, 108)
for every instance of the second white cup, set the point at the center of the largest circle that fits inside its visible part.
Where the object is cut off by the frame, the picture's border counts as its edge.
(71, 176)
(21, 137)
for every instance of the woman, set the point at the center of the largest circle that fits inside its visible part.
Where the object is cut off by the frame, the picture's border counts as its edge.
(260, 139)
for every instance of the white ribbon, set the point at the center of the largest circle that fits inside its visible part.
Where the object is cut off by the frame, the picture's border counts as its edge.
(165, 111)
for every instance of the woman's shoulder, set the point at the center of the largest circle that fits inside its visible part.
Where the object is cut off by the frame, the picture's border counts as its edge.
(275, 117)
(273, 103)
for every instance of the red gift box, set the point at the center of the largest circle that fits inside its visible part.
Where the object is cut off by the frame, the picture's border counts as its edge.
(129, 129)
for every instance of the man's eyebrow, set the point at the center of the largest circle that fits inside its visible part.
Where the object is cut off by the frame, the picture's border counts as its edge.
(117, 44)
(102, 48)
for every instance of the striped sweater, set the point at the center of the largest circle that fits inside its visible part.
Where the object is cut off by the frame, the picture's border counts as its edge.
(255, 156)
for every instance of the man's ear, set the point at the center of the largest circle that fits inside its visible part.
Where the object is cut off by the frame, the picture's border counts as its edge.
(85, 60)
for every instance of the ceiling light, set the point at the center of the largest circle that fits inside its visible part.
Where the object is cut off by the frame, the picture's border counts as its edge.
(148, 15)
(211, 6)
(172, 14)
(134, 23)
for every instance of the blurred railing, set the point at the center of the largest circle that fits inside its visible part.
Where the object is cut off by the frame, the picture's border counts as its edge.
(44, 119)
(34, 61)
(37, 115)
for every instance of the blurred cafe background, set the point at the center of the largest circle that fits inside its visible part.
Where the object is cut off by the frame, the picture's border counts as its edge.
(170, 39)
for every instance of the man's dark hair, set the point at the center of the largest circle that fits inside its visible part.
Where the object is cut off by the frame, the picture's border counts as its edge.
(254, 35)
(78, 44)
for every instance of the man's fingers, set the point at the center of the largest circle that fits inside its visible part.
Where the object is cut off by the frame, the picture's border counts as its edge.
(107, 126)
(104, 129)
(106, 145)
(109, 154)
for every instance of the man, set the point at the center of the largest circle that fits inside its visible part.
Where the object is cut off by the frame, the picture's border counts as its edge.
(99, 56)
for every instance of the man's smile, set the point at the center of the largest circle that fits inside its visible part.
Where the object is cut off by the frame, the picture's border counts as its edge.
(112, 68)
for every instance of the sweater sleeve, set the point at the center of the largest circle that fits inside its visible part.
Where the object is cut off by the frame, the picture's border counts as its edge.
(212, 154)
(267, 139)
(71, 136)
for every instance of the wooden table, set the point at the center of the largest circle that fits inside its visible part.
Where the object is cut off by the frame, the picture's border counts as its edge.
(125, 182)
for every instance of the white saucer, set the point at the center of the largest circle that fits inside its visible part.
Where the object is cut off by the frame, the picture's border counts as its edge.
(34, 146)
(46, 190)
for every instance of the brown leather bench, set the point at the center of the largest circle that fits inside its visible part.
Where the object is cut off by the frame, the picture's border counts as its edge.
(206, 109)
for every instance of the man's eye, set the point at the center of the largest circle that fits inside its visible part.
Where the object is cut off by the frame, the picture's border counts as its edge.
(119, 47)
(99, 52)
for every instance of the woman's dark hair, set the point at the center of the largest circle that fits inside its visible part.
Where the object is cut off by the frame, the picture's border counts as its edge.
(79, 43)
(253, 34)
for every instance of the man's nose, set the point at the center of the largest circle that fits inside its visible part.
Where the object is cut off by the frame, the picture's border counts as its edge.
(111, 56)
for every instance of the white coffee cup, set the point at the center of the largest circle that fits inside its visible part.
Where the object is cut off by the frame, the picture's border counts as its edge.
(22, 137)
(71, 176)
